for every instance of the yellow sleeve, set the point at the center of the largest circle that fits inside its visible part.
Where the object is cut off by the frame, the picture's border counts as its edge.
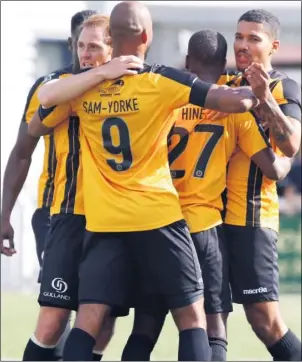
(32, 102)
(175, 87)
(287, 93)
(51, 117)
(230, 77)
(179, 88)
(251, 136)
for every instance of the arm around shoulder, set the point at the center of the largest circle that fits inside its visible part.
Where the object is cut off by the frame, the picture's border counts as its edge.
(222, 98)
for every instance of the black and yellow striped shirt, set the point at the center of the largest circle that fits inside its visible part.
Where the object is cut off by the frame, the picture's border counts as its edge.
(251, 198)
(67, 191)
(60, 181)
(46, 180)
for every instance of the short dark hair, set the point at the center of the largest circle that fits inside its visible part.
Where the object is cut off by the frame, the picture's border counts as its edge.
(78, 19)
(208, 47)
(263, 17)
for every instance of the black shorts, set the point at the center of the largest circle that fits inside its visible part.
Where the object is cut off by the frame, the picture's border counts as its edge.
(40, 224)
(253, 258)
(62, 255)
(161, 262)
(214, 263)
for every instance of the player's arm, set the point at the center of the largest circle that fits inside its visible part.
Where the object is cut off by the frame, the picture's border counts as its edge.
(254, 143)
(284, 120)
(183, 88)
(283, 116)
(16, 170)
(229, 100)
(45, 119)
(65, 89)
(272, 166)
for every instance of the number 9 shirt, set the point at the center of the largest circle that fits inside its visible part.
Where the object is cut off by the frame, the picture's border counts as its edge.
(124, 126)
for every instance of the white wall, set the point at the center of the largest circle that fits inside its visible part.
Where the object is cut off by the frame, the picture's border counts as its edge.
(21, 23)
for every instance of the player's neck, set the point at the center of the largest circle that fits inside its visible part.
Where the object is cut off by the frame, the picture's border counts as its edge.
(208, 77)
(268, 67)
(117, 52)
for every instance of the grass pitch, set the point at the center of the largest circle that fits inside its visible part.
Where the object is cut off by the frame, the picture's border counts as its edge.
(19, 312)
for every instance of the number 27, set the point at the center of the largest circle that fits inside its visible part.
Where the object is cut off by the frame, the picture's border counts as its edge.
(205, 154)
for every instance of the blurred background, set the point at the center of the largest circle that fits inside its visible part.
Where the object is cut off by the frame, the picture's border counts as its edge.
(34, 43)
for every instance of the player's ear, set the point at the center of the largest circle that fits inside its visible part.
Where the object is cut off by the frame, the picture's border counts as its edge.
(144, 37)
(275, 46)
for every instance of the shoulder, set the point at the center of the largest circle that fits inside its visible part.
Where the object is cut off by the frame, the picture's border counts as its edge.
(57, 74)
(282, 79)
(35, 86)
(177, 75)
(32, 96)
(283, 87)
(46, 78)
(228, 77)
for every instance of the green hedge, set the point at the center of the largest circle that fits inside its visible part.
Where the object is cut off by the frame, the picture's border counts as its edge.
(289, 246)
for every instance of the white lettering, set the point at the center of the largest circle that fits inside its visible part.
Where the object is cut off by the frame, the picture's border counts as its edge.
(255, 291)
(56, 296)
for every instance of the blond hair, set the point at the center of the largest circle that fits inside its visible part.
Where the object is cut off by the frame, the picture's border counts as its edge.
(99, 20)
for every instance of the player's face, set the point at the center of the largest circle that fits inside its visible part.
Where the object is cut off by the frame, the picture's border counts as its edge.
(92, 47)
(253, 44)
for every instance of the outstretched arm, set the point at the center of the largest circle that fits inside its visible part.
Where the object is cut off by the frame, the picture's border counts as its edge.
(222, 98)
(65, 89)
(230, 100)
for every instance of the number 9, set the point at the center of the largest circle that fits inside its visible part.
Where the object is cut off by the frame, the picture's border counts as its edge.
(123, 147)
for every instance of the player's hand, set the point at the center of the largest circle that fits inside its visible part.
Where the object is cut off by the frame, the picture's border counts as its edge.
(125, 64)
(258, 79)
(214, 115)
(7, 234)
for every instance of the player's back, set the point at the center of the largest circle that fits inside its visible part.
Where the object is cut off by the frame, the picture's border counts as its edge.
(199, 151)
(125, 124)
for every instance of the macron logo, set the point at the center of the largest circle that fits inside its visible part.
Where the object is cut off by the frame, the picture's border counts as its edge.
(255, 291)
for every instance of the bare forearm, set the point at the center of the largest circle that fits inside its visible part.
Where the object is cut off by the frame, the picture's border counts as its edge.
(287, 138)
(14, 177)
(272, 166)
(231, 100)
(65, 89)
(282, 166)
